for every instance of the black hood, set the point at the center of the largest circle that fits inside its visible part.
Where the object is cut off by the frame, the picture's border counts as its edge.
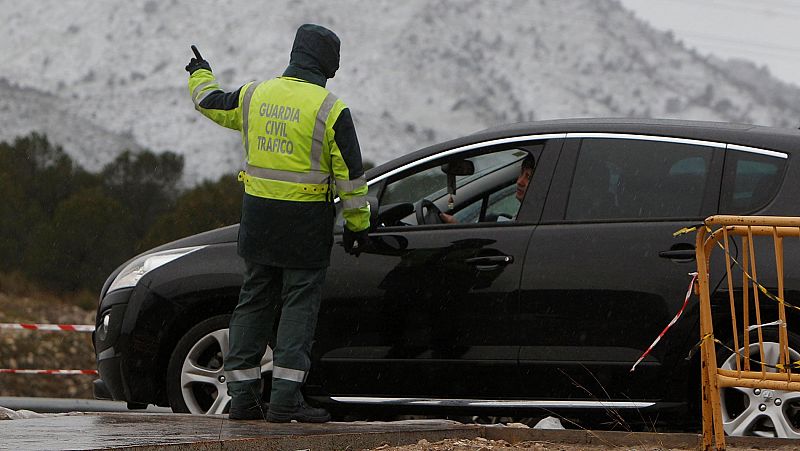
(315, 54)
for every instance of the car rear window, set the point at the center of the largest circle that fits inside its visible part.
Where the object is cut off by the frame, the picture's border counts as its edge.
(638, 179)
(750, 181)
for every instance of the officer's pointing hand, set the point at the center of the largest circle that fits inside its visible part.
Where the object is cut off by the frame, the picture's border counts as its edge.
(197, 62)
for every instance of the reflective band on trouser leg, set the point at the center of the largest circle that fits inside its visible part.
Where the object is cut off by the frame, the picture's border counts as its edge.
(312, 178)
(319, 130)
(199, 89)
(354, 202)
(248, 94)
(348, 186)
(243, 375)
(279, 372)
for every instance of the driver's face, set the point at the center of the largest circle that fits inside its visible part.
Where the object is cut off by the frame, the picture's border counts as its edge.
(522, 182)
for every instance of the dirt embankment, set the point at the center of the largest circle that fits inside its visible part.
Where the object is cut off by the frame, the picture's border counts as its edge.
(24, 349)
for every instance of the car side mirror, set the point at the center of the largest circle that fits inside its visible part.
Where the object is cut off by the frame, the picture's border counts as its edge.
(392, 214)
(374, 212)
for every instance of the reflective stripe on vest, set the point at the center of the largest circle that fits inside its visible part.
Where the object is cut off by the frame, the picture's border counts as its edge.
(196, 97)
(318, 136)
(248, 94)
(348, 186)
(312, 178)
(354, 202)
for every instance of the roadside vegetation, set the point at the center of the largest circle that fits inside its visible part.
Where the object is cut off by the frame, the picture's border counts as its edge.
(65, 229)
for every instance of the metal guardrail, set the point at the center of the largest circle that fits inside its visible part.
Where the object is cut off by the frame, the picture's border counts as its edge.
(716, 234)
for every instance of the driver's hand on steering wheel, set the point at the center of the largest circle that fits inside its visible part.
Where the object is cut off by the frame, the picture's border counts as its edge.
(448, 219)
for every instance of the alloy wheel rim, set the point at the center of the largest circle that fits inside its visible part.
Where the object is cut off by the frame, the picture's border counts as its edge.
(760, 412)
(203, 384)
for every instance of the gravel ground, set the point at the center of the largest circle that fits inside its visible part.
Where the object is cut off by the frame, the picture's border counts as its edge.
(482, 444)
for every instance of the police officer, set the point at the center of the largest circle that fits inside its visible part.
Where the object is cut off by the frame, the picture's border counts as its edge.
(299, 144)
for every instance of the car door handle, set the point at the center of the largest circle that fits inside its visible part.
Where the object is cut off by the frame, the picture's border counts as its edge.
(678, 254)
(490, 262)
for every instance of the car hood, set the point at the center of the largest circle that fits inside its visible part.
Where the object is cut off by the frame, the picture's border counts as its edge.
(228, 234)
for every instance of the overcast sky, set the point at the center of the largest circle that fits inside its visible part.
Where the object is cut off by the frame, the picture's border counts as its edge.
(763, 31)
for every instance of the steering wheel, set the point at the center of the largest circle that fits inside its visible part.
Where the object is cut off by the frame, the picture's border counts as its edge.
(428, 213)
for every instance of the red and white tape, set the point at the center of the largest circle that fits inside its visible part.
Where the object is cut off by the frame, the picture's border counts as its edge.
(674, 320)
(49, 327)
(13, 371)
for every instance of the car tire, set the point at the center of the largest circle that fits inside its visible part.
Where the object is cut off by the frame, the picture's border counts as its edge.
(195, 376)
(760, 412)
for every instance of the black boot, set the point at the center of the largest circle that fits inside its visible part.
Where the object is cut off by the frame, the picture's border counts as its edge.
(301, 413)
(253, 411)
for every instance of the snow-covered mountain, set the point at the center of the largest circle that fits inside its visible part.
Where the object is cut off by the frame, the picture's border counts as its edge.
(100, 77)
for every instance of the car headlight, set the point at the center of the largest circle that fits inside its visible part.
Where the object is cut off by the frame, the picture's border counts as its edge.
(135, 270)
(102, 329)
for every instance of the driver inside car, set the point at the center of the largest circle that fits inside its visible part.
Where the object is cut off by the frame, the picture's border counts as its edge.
(524, 178)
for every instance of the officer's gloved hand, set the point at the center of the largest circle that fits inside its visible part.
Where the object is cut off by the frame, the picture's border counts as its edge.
(195, 64)
(355, 242)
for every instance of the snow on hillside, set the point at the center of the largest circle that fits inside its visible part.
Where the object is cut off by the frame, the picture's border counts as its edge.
(101, 77)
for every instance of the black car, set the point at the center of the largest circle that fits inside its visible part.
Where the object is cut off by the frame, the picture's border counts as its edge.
(518, 309)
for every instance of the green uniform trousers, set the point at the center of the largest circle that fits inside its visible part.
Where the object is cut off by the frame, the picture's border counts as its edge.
(269, 293)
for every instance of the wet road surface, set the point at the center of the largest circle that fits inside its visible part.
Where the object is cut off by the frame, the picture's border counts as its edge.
(174, 431)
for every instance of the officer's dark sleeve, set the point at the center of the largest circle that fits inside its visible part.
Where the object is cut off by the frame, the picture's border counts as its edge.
(347, 141)
(220, 100)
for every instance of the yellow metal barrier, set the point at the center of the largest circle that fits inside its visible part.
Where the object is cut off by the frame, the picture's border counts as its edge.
(717, 234)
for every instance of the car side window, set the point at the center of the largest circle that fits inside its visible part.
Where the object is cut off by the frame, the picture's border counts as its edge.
(416, 186)
(750, 181)
(488, 190)
(501, 205)
(638, 179)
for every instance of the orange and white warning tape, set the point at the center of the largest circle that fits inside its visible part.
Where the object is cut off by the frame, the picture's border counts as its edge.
(67, 372)
(49, 327)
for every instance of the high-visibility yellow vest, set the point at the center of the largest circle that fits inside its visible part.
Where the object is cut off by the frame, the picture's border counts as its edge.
(288, 138)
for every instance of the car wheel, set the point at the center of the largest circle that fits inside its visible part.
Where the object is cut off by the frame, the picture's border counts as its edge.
(195, 376)
(761, 412)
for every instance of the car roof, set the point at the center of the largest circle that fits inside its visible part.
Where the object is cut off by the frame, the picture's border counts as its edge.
(703, 130)
(769, 138)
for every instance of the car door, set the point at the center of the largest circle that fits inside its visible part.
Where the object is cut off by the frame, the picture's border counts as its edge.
(428, 311)
(604, 273)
